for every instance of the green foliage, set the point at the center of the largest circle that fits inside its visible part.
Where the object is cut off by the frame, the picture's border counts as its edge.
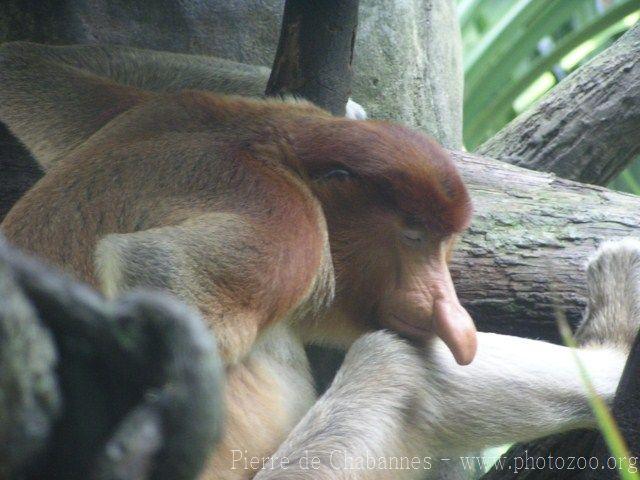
(517, 50)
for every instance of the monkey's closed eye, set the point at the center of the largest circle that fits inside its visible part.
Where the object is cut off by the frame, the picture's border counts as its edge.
(413, 236)
(336, 173)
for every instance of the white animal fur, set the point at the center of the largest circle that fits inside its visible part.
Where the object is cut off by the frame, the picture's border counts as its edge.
(355, 111)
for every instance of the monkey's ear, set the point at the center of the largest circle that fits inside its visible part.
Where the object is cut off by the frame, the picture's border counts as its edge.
(51, 104)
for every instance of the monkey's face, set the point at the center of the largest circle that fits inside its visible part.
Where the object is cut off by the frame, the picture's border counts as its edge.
(394, 205)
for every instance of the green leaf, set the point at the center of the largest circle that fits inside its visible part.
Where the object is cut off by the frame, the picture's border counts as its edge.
(503, 65)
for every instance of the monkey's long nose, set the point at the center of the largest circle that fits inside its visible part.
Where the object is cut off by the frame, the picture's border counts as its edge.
(452, 322)
(455, 327)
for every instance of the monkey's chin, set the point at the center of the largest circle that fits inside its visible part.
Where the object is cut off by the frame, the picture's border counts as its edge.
(417, 334)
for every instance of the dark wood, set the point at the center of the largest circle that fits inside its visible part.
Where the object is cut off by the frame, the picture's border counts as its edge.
(315, 52)
(626, 410)
(18, 170)
(139, 380)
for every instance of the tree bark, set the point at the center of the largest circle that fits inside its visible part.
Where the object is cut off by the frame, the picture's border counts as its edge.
(528, 242)
(315, 52)
(586, 128)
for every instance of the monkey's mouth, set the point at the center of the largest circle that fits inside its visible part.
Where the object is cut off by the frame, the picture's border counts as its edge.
(407, 329)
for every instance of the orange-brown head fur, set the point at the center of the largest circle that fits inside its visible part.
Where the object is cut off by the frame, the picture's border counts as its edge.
(379, 182)
(408, 171)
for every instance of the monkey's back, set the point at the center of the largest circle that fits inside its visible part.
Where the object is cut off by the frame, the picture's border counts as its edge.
(70, 209)
(150, 167)
(163, 161)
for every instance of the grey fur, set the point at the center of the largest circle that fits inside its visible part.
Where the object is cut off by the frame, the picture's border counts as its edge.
(613, 281)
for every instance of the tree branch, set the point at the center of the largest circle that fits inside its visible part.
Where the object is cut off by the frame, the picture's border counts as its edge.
(315, 52)
(528, 242)
(586, 128)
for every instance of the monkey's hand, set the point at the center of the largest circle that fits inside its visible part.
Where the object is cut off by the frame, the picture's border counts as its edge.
(613, 282)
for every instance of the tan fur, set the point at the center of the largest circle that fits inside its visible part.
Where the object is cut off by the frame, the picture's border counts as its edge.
(259, 418)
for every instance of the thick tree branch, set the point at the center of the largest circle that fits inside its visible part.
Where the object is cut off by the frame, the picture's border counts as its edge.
(528, 242)
(586, 128)
(315, 52)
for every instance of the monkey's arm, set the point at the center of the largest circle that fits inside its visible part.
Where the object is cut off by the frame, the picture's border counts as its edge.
(389, 401)
(241, 277)
(518, 389)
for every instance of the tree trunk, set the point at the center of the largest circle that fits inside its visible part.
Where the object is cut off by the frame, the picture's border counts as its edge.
(315, 52)
(528, 242)
(586, 128)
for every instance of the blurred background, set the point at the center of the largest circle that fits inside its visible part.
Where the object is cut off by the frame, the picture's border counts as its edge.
(517, 50)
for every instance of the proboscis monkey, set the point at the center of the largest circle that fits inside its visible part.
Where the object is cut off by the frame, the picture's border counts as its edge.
(283, 225)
